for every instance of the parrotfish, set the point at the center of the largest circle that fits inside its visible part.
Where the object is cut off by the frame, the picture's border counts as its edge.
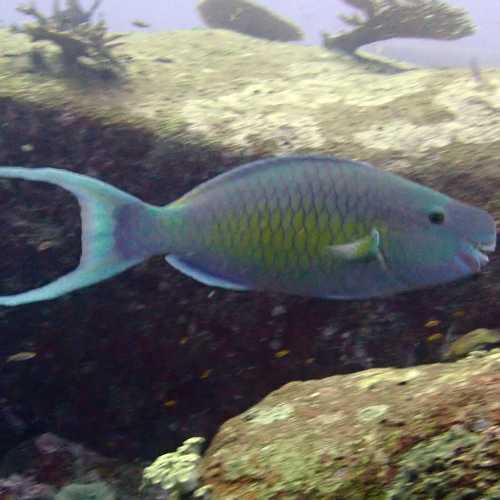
(315, 226)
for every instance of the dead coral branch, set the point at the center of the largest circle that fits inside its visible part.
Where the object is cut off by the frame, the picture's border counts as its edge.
(82, 44)
(73, 15)
(384, 19)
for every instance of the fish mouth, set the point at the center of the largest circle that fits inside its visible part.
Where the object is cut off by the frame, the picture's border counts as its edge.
(475, 257)
(486, 247)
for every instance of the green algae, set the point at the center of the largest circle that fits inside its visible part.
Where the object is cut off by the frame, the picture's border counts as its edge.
(369, 379)
(373, 413)
(298, 473)
(269, 415)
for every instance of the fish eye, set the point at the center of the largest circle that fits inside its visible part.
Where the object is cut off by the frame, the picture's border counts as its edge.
(436, 217)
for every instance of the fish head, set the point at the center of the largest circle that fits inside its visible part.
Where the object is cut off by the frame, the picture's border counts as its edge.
(434, 239)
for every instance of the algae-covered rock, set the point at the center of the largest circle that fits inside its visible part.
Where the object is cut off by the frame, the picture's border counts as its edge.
(436, 468)
(249, 18)
(433, 434)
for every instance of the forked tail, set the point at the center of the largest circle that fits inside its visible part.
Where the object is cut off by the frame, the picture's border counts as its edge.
(118, 231)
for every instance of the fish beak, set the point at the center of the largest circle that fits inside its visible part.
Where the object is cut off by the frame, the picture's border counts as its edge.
(486, 247)
(474, 258)
(480, 248)
(483, 259)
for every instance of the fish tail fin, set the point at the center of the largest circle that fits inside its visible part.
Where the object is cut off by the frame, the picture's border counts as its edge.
(118, 231)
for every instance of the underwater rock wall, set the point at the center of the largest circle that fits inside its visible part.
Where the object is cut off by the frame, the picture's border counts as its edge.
(139, 363)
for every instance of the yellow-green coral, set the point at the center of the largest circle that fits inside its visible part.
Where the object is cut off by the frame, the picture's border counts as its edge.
(177, 472)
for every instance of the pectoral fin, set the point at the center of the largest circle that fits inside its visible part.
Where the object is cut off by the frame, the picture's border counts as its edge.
(363, 249)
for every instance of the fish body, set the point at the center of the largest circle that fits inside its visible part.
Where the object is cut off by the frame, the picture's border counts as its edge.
(20, 356)
(479, 339)
(310, 225)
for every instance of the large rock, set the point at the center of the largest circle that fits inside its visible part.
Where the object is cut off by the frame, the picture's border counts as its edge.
(149, 358)
(415, 433)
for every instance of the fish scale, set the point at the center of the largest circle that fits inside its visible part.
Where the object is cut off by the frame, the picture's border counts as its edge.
(308, 225)
(278, 203)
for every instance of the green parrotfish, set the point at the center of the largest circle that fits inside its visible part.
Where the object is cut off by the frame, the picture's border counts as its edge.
(314, 226)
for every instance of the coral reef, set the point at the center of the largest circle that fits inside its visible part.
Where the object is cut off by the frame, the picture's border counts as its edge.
(249, 18)
(426, 432)
(176, 473)
(83, 45)
(40, 467)
(384, 19)
(138, 364)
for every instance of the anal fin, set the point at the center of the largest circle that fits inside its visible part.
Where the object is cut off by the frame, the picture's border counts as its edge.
(193, 271)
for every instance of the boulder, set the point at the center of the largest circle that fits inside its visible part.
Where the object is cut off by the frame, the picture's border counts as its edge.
(427, 432)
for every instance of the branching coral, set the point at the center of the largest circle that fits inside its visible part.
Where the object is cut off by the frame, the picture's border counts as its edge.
(384, 19)
(73, 15)
(176, 473)
(83, 44)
